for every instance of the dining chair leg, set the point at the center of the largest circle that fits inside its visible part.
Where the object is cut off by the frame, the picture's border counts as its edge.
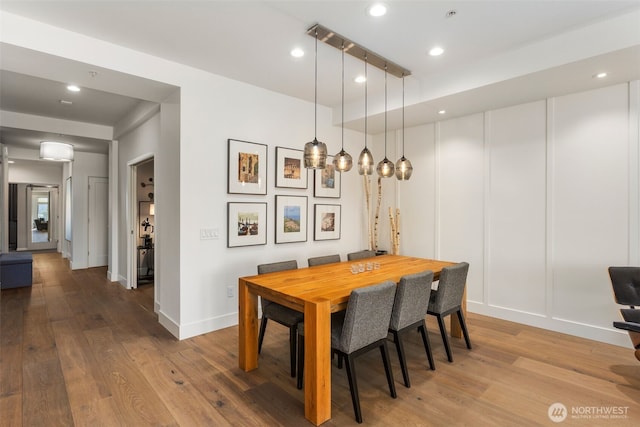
(300, 361)
(463, 326)
(445, 338)
(387, 368)
(401, 357)
(353, 387)
(263, 327)
(427, 345)
(293, 339)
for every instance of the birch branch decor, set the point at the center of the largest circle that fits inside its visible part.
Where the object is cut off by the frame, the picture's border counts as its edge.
(367, 192)
(377, 215)
(395, 231)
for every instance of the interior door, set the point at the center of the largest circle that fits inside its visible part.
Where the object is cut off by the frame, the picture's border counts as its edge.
(42, 217)
(98, 221)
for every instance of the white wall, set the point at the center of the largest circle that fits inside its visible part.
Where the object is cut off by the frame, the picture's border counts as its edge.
(540, 198)
(141, 141)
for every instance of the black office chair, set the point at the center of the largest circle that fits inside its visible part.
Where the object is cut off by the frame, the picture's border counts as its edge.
(448, 300)
(279, 313)
(626, 290)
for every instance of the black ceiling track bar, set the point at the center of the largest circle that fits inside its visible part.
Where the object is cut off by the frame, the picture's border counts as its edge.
(354, 49)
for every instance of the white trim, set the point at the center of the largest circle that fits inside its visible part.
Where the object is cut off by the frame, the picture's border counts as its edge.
(204, 326)
(634, 172)
(550, 105)
(610, 336)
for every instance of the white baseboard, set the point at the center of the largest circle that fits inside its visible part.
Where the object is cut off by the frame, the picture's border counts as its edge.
(169, 324)
(123, 281)
(207, 325)
(596, 333)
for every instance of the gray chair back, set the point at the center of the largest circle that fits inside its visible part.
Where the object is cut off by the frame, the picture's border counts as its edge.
(360, 255)
(626, 285)
(367, 317)
(412, 298)
(326, 259)
(272, 268)
(277, 266)
(450, 289)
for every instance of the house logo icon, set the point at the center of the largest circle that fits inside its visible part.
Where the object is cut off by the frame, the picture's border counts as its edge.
(557, 412)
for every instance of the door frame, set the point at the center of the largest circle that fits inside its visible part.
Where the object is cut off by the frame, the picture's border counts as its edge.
(54, 192)
(132, 223)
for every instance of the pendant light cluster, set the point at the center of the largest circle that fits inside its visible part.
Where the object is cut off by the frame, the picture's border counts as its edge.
(315, 152)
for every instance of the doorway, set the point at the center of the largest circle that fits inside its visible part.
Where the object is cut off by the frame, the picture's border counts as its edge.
(143, 230)
(42, 217)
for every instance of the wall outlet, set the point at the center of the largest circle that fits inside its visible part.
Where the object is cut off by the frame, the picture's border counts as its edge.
(230, 291)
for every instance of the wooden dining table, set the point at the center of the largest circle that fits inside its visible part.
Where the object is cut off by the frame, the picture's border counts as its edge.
(317, 292)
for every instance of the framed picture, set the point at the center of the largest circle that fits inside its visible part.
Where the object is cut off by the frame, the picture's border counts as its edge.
(327, 181)
(327, 222)
(291, 219)
(290, 170)
(247, 224)
(246, 167)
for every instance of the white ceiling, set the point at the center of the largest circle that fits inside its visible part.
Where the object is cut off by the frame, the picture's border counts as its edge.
(494, 50)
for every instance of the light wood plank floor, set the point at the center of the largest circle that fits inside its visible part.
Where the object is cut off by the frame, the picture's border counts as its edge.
(78, 350)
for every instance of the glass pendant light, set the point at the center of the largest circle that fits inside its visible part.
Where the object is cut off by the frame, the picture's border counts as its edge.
(343, 161)
(315, 152)
(365, 162)
(403, 166)
(385, 167)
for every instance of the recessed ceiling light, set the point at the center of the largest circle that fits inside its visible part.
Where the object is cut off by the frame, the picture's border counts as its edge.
(297, 52)
(73, 88)
(65, 102)
(600, 75)
(360, 79)
(442, 112)
(377, 9)
(10, 162)
(436, 51)
(451, 13)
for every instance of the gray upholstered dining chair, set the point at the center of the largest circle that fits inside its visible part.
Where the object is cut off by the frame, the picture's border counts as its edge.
(448, 300)
(356, 331)
(326, 259)
(409, 307)
(279, 313)
(626, 290)
(360, 255)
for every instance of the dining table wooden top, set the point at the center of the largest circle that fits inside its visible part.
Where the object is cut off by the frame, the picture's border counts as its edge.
(335, 281)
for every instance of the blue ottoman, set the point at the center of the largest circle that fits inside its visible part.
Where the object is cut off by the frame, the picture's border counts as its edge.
(16, 269)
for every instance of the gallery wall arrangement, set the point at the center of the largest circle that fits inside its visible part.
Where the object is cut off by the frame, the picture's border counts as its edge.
(247, 171)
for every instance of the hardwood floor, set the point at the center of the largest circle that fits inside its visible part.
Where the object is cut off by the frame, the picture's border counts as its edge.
(78, 350)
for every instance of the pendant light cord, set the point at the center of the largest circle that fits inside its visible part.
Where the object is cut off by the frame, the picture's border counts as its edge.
(403, 115)
(385, 111)
(315, 96)
(366, 86)
(342, 97)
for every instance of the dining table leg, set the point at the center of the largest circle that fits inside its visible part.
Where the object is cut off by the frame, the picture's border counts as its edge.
(456, 329)
(247, 328)
(317, 361)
